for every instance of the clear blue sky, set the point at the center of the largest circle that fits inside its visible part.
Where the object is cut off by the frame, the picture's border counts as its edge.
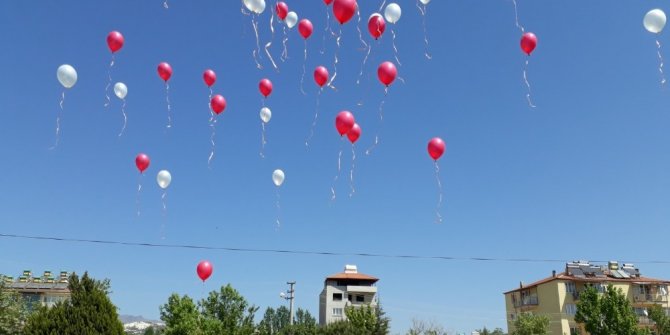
(585, 175)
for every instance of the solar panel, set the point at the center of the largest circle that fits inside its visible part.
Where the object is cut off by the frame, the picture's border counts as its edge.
(624, 274)
(576, 272)
(616, 274)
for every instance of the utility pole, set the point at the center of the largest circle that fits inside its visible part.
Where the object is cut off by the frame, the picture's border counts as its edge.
(291, 298)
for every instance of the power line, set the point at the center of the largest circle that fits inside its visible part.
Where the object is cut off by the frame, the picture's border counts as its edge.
(308, 252)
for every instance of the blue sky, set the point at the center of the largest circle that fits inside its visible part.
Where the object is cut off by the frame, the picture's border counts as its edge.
(585, 175)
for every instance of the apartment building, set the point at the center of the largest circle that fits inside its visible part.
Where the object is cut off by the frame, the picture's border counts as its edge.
(46, 290)
(348, 288)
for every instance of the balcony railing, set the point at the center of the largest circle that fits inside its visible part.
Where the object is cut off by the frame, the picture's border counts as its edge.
(526, 301)
(650, 297)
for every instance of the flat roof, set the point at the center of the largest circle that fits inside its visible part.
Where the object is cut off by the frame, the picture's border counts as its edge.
(564, 276)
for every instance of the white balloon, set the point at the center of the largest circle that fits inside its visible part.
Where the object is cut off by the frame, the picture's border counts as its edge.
(164, 178)
(256, 6)
(654, 21)
(67, 75)
(425, 2)
(121, 90)
(266, 114)
(291, 19)
(278, 177)
(392, 12)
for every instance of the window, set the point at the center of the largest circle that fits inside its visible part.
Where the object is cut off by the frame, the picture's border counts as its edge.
(570, 309)
(337, 312)
(350, 298)
(570, 287)
(512, 316)
(574, 330)
(360, 298)
(337, 296)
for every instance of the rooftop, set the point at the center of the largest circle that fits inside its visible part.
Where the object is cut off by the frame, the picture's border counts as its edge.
(351, 273)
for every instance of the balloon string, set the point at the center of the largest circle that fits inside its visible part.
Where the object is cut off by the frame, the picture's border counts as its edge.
(525, 79)
(212, 125)
(278, 205)
(58, 117)
(257, 51)
(365, 60)
(660, 59)
(351, 173)
(316, 117)
(439, 187)
(169, 107)
(164, 213)
(302, 79)
(269, 44)
(109, 82)
(284, 53)
(395, 49)
(332, 79)
(263, 141)
(381, 123)
(325, 31)
(165, 4)
(516, 17)
(423, 11)
(339, 169)
(382, 6)
(139, 189)
(125, 117)
(358, 27)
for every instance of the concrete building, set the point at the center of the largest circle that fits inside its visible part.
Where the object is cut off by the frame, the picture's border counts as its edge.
(557, 295)
(46, 290)
(341, 290)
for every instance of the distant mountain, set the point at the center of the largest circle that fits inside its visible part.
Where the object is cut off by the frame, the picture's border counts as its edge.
(133, 324)
(134, 318)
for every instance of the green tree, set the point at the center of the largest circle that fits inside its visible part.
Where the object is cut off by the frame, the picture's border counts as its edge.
(531, 324)
(14, 311)
(303, 324)
(609, 314)
(276, 322)
(181, 316)
(485, 331)
(88, 311)
(420, 327)
(662, 321)
(227, 312)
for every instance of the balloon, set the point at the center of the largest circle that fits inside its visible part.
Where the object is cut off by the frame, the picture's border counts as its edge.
(115, 41)
(164, 178)
(436, 148)
(654, 21)
(392, 12)
(256, 6)
(327, 2)
(344, 10)
(204, 270)
(386, 72)
(142, 162)
(265, 86)
(218, 103)
(210, 77)
(291, 19)
(67, 75)
(121, 90)
(528, 43)
(278, 177)
(282, 10)
(376, 25)
(344, 121)
(266, 114)
(354, 133)
(320, 75)
(165, 71)
(425, 2)
(305, 28)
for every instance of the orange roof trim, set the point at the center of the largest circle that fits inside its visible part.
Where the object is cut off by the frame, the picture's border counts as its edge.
(354, 276)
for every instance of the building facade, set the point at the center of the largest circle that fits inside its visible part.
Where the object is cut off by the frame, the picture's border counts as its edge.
(557, 295)
(341, 290)
(45, 290)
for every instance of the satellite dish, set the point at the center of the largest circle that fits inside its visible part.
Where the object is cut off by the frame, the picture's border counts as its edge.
(282, 295)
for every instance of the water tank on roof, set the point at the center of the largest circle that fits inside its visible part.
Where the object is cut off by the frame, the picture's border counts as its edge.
(350, 269)
(613, 265)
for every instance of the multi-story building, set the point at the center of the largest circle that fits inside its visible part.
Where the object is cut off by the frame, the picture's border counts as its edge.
(341, 290)
(45, 290)
(557, 295)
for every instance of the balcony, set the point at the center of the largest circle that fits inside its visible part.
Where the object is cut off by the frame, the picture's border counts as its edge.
(650, 297)
(526, 301)
(361, 289)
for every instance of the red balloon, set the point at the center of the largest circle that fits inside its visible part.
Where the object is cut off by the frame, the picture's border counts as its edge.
(354, 133)
(142, 162)
(376, 25)
(210, 77)
(282, 10)
(265, 86)
(115, 41)
(386, 72)
(528, 43)
(344, 121)
(204, 270)
(305, 28)
(327, 2)
(344, 10)
(436, 148)
(218, 104)
(165, 71)
(321, 75)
